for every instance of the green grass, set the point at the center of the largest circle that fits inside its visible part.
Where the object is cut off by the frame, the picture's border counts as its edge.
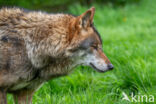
(129, 40)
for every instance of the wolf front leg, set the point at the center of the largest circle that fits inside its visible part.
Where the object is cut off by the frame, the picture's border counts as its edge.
(3, 98)
(23, 97)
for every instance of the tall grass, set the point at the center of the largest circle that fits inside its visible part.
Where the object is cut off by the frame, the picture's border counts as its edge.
(129, 40)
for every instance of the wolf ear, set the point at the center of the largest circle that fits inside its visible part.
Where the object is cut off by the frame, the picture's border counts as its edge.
(86, 19)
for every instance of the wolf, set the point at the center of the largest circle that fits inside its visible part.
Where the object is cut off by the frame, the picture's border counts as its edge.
(36, 47)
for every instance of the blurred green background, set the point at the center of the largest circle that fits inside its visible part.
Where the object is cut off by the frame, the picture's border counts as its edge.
(128, 31)
(59, 5)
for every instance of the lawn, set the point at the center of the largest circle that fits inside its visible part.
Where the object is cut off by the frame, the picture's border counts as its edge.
(129, 41)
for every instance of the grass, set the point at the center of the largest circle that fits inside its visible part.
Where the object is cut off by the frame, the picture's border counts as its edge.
(129, 40)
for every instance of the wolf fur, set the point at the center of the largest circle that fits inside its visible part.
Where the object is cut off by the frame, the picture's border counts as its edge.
(36, 47)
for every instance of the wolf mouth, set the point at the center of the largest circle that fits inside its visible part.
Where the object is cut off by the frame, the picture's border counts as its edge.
(94, 67)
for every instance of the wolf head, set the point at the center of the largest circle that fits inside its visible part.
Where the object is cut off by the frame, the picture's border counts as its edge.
(85, 43)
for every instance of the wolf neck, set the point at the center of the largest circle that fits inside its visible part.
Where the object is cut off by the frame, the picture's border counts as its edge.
(46, 48)
(51, 40)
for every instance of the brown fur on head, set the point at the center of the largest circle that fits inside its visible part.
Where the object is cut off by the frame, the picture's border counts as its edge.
(82, 28)
(86, 44)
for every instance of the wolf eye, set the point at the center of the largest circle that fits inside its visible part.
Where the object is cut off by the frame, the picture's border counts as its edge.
(95, 46)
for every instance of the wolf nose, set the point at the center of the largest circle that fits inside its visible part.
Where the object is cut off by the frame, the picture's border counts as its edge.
(110, 66)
